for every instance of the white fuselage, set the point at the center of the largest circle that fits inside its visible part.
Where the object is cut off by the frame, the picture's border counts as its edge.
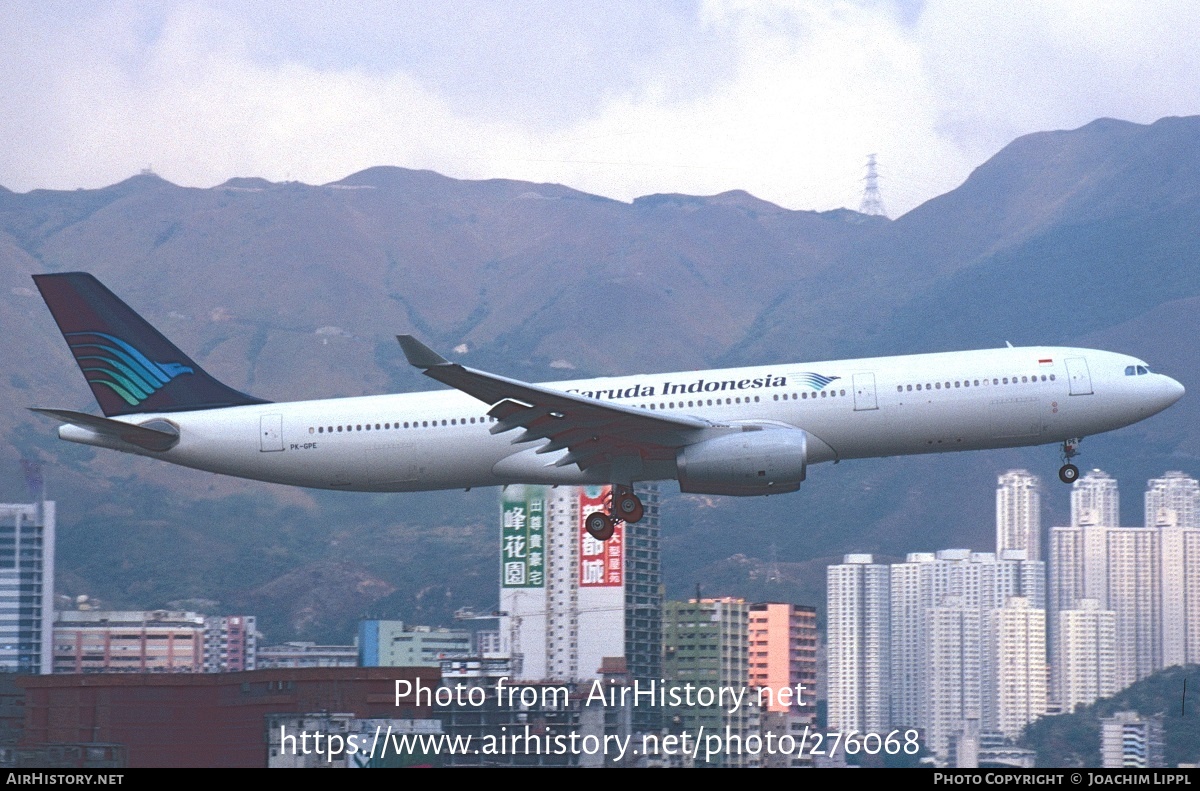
(884, 406)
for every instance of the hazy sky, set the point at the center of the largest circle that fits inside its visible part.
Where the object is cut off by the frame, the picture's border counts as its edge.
(783, 99)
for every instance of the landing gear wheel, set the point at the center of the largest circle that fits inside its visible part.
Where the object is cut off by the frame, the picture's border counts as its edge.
(1068, 473)
(599, 525)
(628, 507)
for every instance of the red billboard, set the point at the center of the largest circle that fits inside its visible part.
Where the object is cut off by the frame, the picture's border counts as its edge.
(601, 563)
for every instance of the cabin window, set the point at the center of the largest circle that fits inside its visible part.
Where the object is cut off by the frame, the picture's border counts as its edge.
(938, 385)
(310, 430)
(320, 430)
(824, 394)
(843, 392)
(424, 424)
(339, 429)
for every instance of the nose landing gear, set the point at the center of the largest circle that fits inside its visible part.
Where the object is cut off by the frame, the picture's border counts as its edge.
(623, 506)
(1069, 473)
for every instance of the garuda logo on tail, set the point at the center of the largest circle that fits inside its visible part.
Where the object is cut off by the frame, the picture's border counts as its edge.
(119, 353)
(126, 371)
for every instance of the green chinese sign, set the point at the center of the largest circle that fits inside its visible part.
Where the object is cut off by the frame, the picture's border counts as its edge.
(523, 538)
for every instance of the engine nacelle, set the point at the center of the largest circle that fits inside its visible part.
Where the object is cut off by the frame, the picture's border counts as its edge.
(770, 461)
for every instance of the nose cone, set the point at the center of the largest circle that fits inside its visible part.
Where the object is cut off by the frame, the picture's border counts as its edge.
(1174, 391)
(1166, 391)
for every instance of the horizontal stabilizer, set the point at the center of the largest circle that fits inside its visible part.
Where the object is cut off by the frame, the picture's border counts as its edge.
(161, 437)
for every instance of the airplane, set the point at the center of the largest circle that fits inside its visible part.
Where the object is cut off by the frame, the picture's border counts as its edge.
(735, 431)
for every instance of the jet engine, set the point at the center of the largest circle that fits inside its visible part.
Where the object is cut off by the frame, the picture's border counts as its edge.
(750, 462)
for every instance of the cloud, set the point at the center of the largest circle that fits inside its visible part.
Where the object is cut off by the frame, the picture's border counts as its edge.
(783, 99)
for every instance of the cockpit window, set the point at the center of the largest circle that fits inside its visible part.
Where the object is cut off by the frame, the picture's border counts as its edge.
(1142, 370)
(1131, 370)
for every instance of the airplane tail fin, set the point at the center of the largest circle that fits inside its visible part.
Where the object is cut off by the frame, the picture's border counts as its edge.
(129, 365)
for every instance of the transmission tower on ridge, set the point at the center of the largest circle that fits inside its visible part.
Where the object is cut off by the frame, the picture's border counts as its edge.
(872, 203)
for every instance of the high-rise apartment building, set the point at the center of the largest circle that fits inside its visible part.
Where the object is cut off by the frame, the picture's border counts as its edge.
(956, 671)
(1095, 500)
(1118, 567)
(706, 644)
(1173, 509)
(1085, 665)
(977, 581)
(1019, 513)
(1022, 674)
(1173, 501)
(570, 601)
(783, 654)
(858, 643)
(27, 587)
(909, 600)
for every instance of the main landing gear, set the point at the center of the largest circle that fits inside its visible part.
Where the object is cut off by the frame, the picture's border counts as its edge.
(623, 506)
(1069, 473)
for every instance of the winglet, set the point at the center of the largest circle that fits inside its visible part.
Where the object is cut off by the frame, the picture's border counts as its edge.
(419, 355)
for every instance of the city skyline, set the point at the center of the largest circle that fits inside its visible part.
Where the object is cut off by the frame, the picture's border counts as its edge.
(980, 644)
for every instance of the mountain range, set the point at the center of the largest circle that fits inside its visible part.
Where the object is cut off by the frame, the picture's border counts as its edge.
(290, 291)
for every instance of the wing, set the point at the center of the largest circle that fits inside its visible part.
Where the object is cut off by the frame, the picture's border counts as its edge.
(592, 431)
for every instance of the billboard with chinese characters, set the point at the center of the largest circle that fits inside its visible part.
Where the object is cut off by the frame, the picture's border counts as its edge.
(523, 537)
(601, 563)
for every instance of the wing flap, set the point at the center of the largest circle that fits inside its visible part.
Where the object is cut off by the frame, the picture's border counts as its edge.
(593, 431)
